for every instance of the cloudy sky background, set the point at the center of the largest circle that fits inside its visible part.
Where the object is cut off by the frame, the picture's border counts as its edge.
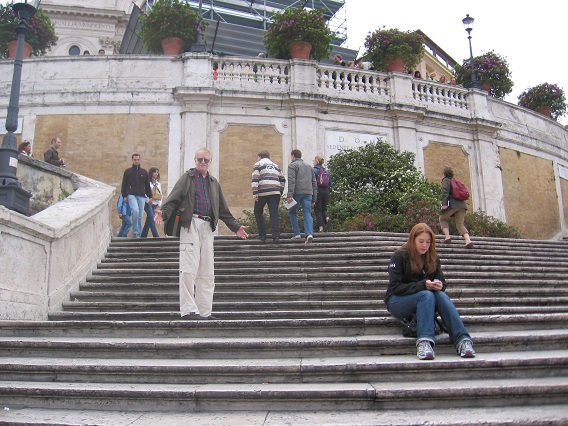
(530, 35)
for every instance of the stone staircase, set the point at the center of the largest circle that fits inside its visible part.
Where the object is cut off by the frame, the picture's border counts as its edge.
(303, 338)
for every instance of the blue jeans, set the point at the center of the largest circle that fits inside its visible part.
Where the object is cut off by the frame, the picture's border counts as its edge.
(136, 204)
(272, 201)
(424, 304)
(126, 225)
(149, 224)
(305, 200)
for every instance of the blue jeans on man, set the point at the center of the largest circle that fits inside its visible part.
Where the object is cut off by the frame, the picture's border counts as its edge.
(424, 304)
(304, 200)
(136, 204)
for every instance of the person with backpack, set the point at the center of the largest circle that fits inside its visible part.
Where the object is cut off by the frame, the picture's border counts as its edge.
(454, 195)
(323, 179)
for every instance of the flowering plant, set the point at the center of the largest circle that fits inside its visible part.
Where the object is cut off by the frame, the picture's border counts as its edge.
(41, 35)
(383, 46)
(292, 25)
(545, 95)
(169, 18)
(491, 69)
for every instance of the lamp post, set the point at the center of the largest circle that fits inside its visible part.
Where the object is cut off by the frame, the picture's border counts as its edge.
(199, 46)
(12, 195)
(468, 23)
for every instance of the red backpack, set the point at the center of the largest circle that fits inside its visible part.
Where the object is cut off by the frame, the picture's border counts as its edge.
(459, 190)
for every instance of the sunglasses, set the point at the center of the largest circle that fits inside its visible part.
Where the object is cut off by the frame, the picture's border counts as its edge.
(203, 160)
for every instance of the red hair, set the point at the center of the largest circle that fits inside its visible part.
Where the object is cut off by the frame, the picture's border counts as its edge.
(418, 261)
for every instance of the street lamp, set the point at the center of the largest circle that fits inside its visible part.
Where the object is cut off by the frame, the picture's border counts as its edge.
(12, 195)
(468, 23)
(199, 46)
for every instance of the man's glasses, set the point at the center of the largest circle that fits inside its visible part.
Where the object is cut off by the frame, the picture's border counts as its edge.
(203, 160)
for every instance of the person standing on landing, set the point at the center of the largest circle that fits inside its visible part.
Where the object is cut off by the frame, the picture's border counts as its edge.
(452, 207)
(302, 187)
(200, 199)
(51, 156)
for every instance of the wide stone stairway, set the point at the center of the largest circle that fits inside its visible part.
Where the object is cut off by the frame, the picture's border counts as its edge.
(303, 338)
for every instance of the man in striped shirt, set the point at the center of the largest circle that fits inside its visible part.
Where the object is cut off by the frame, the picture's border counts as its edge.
(268, 183)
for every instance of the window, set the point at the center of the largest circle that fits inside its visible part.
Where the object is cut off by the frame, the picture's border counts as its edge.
(74, 50)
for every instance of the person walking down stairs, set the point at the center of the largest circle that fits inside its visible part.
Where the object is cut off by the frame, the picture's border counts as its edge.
(417, 287)
(324, 181)
(452, 207)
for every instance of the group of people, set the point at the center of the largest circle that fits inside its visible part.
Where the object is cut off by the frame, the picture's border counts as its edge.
(433, 77)
(140, 192)
(50, 156)
(416, 282)
(307, 187)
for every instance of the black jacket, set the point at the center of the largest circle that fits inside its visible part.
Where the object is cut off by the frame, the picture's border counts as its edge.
(402, 281)
(136, 182)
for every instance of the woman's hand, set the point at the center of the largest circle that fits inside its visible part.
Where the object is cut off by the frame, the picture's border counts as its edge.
(435, 285)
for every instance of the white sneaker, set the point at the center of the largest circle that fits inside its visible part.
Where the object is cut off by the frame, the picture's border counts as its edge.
(425, 350)
(296, 237)
(309, 239)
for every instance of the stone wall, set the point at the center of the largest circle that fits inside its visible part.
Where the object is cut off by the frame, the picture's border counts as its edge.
(104, 108)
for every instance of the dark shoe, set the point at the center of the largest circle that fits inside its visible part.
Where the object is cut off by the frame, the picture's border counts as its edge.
(447, 241)
(276, 240)
(211, 317)
(193, 317)
(469, 245)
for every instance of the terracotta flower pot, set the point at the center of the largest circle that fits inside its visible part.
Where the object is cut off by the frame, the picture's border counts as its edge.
(487, 87)
(396, 65)
(172, 46)
(545, 110)
(300, 50)
(13, 45)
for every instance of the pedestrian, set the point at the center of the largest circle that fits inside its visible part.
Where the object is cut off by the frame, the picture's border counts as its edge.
(417, 287)
(136, 191)
(25, 148)
(452, 207)
(268, 183)
(124, 214)
(150, 208)
(302, 188)
(51, 156)
(199, 197)
(323, 179)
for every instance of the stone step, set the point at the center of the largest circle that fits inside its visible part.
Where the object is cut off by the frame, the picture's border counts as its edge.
(289, 396)
(552, 415)
(246, 347)
(296, 309)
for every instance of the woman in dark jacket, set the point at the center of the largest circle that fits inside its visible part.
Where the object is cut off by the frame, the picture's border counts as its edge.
(452, 207)
(417, 287)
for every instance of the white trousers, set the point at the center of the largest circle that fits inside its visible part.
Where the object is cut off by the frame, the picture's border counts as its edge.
(196, 268)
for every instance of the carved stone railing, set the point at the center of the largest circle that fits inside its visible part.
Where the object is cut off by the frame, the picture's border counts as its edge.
(442, 94)
(251, 73)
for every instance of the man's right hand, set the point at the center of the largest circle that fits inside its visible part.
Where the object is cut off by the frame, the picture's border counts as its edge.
(158, 218)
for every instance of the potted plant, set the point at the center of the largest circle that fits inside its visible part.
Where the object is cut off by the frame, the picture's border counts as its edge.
(394, 50)
(170, 19)
(41, 35)
(491, 69)
(548, 99)
(298, 25)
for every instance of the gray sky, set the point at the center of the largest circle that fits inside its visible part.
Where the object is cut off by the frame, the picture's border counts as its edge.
(530, 35)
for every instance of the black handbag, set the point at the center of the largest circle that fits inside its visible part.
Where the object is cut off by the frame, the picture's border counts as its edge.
(410, 329)
(172, 226)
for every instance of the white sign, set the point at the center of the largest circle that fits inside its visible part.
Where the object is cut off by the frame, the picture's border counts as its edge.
(13, 162)
(3, 126)
(563, 172)
(336, 141)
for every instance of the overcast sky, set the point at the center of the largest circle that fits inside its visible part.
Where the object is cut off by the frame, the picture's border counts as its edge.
(530, 35)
